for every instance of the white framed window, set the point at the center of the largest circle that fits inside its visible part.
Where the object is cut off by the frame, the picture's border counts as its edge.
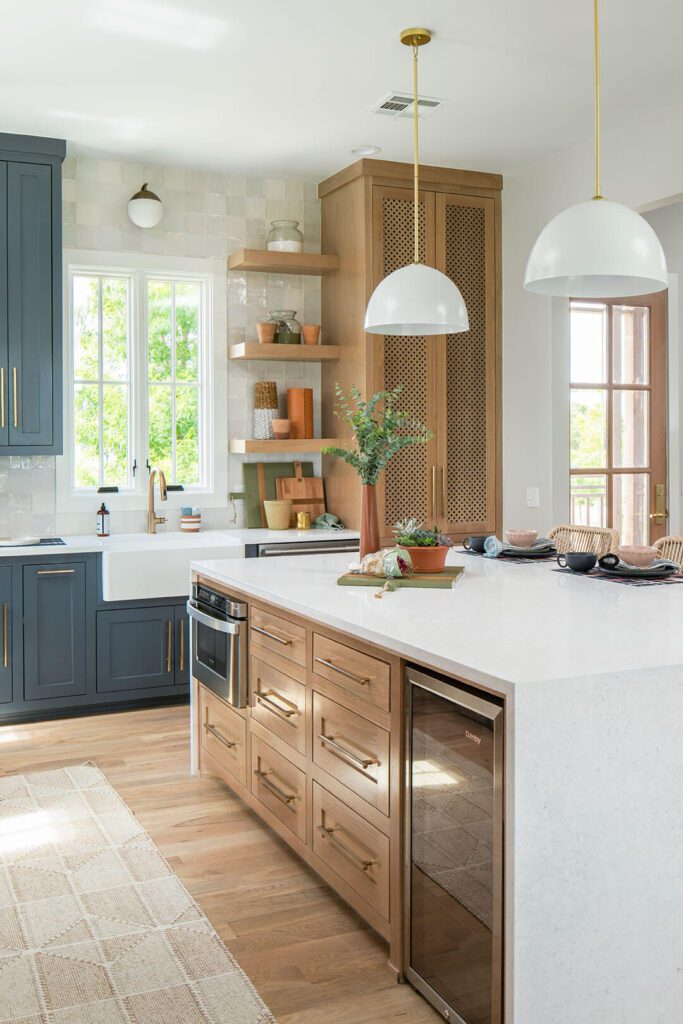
(142, 378)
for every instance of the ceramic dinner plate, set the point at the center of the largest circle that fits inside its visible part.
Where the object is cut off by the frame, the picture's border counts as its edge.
(528, 553)
(632, 572)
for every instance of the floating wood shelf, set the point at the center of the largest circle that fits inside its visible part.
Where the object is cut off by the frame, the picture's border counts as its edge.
(285, 353)
(265, 262)
(293, 445)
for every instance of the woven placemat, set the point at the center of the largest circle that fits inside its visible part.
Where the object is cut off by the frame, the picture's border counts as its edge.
(627, 581)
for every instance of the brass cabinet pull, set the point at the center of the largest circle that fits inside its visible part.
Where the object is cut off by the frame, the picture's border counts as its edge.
(343, 671)
(285, 798)
(213, 731)
(56, 572)
(2, 396)
(169, 644)
(285, 641)
(339, 751)
(357, 861)
(182, 645)
(5, 660)
(269, 703)
(434, 491)
(16, 396)
(443, 493)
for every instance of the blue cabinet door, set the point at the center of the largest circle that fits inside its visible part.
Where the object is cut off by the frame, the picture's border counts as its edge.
(135, 649)
(30, 361)
(4, 393)
(182, 660)
(55, 625)
(5, 635)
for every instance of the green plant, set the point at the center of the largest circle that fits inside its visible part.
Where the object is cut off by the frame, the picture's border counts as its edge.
(380, 430)
(412, 534)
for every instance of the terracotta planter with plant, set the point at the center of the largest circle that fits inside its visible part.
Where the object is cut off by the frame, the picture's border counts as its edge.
(427, 548)
(380, 430)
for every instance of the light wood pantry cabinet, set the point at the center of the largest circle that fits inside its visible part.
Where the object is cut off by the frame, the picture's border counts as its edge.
(451, 383)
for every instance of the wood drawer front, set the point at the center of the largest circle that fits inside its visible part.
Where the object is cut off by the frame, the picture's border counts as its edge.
(279, 785)
(353, 848)
(278, 703)
(276, 634)
(224, 734)
(361, 674)
(353, 750)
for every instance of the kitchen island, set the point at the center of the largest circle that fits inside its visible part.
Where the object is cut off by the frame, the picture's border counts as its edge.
(590, 676)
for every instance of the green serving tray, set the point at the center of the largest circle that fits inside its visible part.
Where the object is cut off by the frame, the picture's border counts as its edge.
(433, 580)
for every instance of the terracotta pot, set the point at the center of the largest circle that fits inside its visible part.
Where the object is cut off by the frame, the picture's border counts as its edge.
(369, 520)
(428, 559)
(311, 334)
(280, 429)
(266, 332)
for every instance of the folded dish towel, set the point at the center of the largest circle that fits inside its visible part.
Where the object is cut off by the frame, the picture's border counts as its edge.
(327, 521)
(613, 561)
(494, 547)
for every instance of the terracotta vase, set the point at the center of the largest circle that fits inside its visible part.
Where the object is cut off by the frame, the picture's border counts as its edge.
(369, 520)
(428, 559)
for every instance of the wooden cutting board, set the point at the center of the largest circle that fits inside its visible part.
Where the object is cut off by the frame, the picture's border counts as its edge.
(438, 580)
(259, 483)
(307, 494)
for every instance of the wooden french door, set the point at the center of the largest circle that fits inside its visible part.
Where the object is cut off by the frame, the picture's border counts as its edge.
(618, 415)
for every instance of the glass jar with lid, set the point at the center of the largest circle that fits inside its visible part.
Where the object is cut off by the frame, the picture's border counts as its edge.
(287, 327)
(284, 236)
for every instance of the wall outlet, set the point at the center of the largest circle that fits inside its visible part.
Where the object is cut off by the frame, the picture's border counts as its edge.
(533, 499)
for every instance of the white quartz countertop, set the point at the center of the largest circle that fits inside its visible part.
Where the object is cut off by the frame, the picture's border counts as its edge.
(502, 625)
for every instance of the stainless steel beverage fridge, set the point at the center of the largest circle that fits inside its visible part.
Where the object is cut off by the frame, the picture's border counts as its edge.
(454, 848)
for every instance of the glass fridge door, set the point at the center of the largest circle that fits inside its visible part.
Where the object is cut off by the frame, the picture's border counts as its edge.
(454, 849)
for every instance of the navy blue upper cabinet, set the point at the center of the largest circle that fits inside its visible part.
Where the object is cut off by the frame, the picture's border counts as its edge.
(55, 630)
(30, 295)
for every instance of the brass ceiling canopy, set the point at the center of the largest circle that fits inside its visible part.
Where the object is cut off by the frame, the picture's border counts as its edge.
(415, 36)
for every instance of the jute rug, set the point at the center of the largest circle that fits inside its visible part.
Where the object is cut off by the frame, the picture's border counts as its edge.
(95, 928)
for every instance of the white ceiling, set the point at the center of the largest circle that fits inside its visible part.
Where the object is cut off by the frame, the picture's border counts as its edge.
(282, 87)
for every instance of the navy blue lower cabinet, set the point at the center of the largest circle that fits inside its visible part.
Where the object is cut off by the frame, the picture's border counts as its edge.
(55, 630)
(136, 649)
(182, 658)
(6, 621)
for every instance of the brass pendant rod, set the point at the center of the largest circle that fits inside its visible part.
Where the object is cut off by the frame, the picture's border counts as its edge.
(596, 37)
(416, 183)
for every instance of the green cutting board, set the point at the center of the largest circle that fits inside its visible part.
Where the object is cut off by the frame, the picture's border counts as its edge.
(437, 580)
(271, 471)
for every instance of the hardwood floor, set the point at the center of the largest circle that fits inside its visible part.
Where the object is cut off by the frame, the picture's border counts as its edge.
(310, 957)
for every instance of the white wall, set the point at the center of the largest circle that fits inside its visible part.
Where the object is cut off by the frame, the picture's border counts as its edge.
(642, 163)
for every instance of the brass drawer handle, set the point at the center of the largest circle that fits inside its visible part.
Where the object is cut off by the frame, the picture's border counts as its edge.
(339, 751)
(357, 861)
(285, 798)
(5, 660)
(213, 731)
(182, 645)
(56, 572)
(343, 671)
(16, 397)
(169, 644)
(269, 703)
(2, 396)
(285, 641)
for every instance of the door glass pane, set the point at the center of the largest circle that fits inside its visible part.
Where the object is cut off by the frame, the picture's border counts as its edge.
(630, 344)
(454, 879)
(630, 507)
(588, 428)
(588, 343)
(630, 425)
(588, 499)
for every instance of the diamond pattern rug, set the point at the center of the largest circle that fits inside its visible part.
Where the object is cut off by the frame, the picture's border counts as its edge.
(95, 928)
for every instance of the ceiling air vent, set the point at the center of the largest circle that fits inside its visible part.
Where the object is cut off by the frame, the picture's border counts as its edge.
(400, 104)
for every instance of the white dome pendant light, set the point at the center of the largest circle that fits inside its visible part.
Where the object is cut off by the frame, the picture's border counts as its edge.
(416, 299)
(145, 209)
(597, 249)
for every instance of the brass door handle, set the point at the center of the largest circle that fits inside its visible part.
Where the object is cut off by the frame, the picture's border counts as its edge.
(285, 641)
(169, 644)
(344, 753)
(55, 572)
(358, 862)
(343, 671)
(285, 798)
(182, 645)
(2, 396)
(433, 492)
(269, 703)
(15, 390)
(659, 515)
(5, 660)
(213, 731)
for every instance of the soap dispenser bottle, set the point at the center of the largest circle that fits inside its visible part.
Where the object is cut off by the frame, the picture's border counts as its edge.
(103, 521)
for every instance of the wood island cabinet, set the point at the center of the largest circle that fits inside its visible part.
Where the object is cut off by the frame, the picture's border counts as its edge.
(451, 383)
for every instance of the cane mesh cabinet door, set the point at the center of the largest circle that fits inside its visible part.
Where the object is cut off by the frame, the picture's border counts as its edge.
(407, 485)
(466, 374)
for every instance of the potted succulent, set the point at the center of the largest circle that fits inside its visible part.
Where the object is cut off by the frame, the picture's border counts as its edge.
(427, 548)
(380, 430)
